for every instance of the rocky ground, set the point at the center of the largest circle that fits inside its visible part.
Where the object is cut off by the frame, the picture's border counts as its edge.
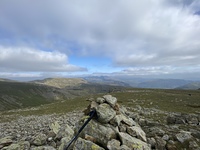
(117, 128)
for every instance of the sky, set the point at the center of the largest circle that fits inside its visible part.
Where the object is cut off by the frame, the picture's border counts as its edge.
(52, 38)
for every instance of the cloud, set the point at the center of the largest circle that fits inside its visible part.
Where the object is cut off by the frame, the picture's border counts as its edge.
(32, 60)
(133, 34)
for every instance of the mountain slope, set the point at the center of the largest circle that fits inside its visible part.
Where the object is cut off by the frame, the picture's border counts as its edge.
(163, 83)
(61, 82)
(27, 94)
(193, 86)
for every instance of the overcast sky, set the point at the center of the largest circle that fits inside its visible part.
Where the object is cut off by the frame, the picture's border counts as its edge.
(100, 37)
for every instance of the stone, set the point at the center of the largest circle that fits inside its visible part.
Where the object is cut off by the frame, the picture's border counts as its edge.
(13, 147)
(94, 105)
(122, 127)
(128, 121)
(133, 142)
(152, 142)
(6, 141)
(160, 143)
(124, 147)
(183, 136)
(156, 131)
(66, 131)
(193, 145)
(100, 100)
(105, 113)
(165, 137)
(102, 133)
(40, 139)
(55, 127)
(64, 142)
(138, 132)
(110, 100)
(113, 144)
(82, 144)
(43, 148)
(24, 145)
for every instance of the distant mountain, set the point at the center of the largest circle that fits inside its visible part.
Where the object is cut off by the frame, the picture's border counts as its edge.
(7, 80)
(129, 81)
(163, 83)
(106, 80)
(192, 86)
(60, 82)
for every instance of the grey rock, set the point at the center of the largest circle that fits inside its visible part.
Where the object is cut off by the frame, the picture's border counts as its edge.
(110, 100)
(133, 142)
(122, 127)
(124, 147)
(153, 131)
(43, 148)
(102, 133)
(55, 127)
(64, 142)
(113, 144)
(160, 143)
(100, 100)
(152, 142)
(105, 113)
(13, 147)
(165, 137)
(65, 131)
(193, 145)
(40, 139)
(183, 136)
(82, 144)
(138, 132)
(6, 141)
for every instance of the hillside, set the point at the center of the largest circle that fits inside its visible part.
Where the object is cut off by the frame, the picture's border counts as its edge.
(61, 82)
(106, 80)
(28, 94)
(193, 85)
(162, 118)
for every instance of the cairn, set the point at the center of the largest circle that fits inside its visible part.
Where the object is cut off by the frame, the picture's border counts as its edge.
(112, 129)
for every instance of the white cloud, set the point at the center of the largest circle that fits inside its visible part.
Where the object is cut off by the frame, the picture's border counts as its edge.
(27, 59)
(134, 34)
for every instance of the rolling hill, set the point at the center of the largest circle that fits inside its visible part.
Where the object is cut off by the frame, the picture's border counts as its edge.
(28, 94)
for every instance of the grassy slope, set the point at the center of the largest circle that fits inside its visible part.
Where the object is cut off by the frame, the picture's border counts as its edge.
(166, 100)
(15, 95)
(21, 94)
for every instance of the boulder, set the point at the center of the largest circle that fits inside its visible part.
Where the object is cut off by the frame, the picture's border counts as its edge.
(13, 147)
(66, 131)
(43, 148)
(102, 133)
(40, 139)
(100, 100)
(137, 132)
(6, 141)
(110, 100)
(55, 127)
(105, 113)
(82, 144)
(113, 144)
(183, 136)
(133, 142)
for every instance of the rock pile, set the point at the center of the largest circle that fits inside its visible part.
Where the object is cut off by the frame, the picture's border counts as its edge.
(112, 129)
